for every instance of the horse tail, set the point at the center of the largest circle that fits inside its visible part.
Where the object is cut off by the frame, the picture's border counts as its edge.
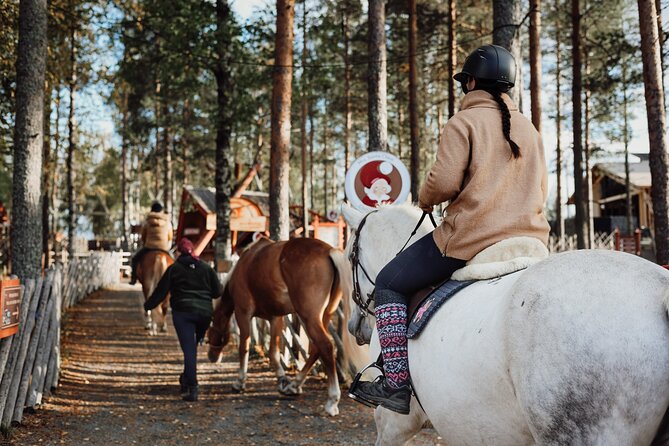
(353, 355)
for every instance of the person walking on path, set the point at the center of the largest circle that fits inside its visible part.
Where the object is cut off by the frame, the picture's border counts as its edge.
(156, 234)
(192, 285)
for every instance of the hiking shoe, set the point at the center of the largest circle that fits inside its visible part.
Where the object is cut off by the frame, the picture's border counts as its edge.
(378, 392)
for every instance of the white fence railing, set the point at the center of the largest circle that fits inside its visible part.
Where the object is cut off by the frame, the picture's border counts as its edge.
(568, 242)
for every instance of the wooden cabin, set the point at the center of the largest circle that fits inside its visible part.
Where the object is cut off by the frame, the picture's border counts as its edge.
(248, 220)
(197, 218)
(609, 196)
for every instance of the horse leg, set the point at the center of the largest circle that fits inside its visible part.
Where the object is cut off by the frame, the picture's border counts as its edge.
(244, 324)
(394, 429)
(163, 316)
(149, 316)
(324, 349)
(276, 327)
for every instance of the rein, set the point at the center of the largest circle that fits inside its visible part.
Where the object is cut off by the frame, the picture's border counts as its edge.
(354, 257)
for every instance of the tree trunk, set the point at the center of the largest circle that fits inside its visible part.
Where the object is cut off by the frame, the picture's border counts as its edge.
(71, 146)
(279, 223)
(452, 57)
(303, 125)
(223, 173)
(628, 192)
(579, 186)
(26, 241)
(590, 234)
(124, 173)
(167, 161)
(312, 199)
(659, 159)
(55, 178)
(47, 172)
(660, 31)
(326, 162)
(347, 85)
(413, 101)
(558, 123)
(506, 19)
(535, 62)
(185, 143)
(376, 81)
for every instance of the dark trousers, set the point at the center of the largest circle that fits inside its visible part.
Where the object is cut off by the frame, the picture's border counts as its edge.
(190, 328)
(136, 259)
(418, 266)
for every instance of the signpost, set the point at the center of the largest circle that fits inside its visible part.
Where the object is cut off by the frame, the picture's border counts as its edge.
(377, 178)
(10, 302)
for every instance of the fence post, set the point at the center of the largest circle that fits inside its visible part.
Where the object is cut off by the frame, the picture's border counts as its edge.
(21, 347)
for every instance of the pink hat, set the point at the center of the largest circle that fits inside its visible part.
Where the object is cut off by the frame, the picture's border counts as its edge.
(185, 246)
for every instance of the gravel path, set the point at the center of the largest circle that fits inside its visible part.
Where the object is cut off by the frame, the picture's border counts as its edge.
(119, 387)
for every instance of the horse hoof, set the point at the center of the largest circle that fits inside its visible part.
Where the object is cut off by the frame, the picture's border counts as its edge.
(290, 389)
(332, 409)
(238, 387)
(163, 329)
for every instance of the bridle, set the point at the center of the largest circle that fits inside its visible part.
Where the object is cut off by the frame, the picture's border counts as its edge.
(354, 258)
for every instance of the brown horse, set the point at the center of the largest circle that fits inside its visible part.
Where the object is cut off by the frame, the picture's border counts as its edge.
(151, 268)
(303, 276)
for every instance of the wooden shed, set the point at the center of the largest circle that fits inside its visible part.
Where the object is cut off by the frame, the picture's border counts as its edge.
(197, 218)
(609, 194)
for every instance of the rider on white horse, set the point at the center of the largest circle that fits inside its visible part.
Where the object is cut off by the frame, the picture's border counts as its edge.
(494, 193)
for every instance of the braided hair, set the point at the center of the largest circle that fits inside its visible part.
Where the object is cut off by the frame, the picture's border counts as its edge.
(506, 119)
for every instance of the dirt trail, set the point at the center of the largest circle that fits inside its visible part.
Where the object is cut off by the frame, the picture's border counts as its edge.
(119, 387)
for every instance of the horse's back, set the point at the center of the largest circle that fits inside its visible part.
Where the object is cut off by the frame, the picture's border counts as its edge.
(575, 350)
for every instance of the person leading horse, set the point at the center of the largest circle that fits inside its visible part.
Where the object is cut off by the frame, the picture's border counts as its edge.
(490, 167)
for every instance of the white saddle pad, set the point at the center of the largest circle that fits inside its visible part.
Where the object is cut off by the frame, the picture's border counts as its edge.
(504, 257)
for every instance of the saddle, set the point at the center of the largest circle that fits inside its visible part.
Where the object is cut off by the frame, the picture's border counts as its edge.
(502, 258)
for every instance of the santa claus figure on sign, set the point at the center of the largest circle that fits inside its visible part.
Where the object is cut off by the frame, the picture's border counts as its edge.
(376, 183)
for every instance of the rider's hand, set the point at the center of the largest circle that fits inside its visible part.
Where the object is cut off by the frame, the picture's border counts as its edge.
(426, 208)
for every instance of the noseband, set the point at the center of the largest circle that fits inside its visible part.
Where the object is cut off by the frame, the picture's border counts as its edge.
(354, 258)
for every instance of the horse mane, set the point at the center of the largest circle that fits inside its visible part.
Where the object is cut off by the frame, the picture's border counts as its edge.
(387, 230)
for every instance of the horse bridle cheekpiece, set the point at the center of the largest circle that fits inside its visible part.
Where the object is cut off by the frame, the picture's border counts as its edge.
(354, 258)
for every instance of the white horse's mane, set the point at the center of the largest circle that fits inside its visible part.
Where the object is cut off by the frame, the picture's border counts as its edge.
(385, 232)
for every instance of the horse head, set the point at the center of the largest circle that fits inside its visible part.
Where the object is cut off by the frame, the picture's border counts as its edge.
(218, 334)
(378, 237)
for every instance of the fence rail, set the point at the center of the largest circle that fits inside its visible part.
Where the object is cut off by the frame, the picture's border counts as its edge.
(30, 359)
(568, 242)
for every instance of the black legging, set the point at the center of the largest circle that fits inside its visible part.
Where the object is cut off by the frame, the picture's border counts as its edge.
(190, 328)
(418, 266)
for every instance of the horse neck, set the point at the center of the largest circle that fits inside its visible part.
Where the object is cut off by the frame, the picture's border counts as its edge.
(387, 231)
(222, 315)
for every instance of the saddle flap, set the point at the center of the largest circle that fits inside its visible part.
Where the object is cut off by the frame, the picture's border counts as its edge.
(431, 304)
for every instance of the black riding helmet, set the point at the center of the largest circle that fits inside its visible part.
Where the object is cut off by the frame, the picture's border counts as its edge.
(489, 64)
(156, 207)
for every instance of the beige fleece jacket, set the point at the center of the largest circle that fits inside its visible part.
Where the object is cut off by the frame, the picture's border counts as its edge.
(493, 196)
(157, 231)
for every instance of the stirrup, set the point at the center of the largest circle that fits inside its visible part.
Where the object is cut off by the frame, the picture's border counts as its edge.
(378, 364)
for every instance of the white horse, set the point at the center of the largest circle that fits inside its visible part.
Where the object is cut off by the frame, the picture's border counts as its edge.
(573, 350)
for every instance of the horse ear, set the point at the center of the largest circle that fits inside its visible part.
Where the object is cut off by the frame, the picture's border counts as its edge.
(351, 215)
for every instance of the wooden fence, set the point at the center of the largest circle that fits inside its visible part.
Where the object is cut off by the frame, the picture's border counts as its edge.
(568, 242)
(30, 359)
